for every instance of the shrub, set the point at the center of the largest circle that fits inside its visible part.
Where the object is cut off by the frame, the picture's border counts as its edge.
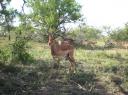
(5, 55)
(19, 51)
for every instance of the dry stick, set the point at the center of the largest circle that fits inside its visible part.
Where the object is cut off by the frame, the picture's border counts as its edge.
(78, 85)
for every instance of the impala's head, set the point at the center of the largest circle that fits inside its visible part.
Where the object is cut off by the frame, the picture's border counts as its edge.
(50, 39)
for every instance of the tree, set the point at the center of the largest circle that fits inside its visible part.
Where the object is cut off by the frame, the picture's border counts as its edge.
(85, 33)
(107, 30)
(50, 15)
(120, 34)
(6, 15)
(92, 32)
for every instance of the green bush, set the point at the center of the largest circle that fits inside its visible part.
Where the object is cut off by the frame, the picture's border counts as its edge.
(5, 55)
(19, 51)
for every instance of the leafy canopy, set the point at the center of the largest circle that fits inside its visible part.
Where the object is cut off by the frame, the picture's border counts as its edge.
(52, 14)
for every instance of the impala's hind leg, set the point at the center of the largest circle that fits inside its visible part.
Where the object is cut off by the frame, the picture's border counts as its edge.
(72, 67)
(56, 62)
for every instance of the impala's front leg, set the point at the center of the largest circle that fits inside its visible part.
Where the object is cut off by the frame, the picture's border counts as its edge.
(72, 68)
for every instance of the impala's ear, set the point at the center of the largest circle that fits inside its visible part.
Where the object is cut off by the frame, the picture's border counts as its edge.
(51, 37)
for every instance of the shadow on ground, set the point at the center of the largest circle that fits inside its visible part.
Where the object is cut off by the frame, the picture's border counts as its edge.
(42, 79)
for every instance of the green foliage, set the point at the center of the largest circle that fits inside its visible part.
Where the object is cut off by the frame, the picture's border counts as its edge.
(85, 33)
(19, 51)
(91, 32)
(51, 14)
(120, 34)
(5, 55)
